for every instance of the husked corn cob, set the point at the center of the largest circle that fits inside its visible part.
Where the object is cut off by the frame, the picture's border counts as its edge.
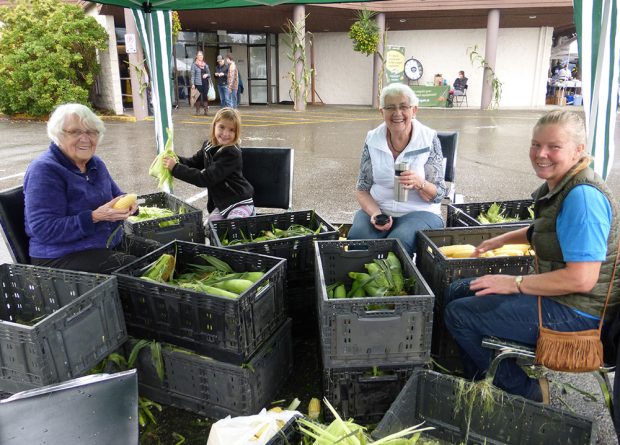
(314, 408)
(457, 250)
(125, 202)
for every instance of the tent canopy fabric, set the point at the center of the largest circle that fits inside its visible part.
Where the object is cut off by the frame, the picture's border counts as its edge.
(599, 56)
(178, 5)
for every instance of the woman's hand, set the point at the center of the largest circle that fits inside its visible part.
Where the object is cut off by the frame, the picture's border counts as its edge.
(487, 245)
(411, 180)
(193, 86)
(169, 162)
(384, 227)
(107, 213)
(494, 285)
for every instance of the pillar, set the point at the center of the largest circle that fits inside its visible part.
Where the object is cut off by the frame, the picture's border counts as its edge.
(490, 53)
(377, 64)
(140, 106)
(299, 19)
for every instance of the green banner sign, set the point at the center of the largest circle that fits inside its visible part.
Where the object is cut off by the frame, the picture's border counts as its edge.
(431, 96)
(395, 64)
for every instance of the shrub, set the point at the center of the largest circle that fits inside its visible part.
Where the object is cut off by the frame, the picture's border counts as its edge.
(47, 55)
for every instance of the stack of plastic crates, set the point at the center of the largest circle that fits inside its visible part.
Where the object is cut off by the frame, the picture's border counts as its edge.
(55, 325)
(440, 271)
(370, 346)
(297, 250)
(220, 355)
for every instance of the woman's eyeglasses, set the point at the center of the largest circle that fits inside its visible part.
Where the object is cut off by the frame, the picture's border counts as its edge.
(77, 133)
(393, 108)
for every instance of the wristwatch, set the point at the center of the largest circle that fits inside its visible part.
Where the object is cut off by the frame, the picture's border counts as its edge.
(518, 281)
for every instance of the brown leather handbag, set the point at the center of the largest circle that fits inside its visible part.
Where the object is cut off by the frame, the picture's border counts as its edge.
(579, 351)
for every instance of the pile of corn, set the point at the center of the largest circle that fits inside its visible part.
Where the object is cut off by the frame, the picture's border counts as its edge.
(274, 233)
(467, 250)
(383, 277)
(495, 215)
(146, 213)
(216, 278)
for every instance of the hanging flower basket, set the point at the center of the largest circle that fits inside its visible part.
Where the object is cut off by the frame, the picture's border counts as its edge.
(365, 33)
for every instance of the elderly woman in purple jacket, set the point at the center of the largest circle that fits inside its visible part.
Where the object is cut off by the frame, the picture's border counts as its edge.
(69, 198)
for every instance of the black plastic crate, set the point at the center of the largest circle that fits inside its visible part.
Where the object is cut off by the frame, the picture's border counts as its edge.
(223, 328)
(464, 215)
(288, 435)
(217, 389)
(440, 271)
(364, 393)
(353, 333)
(186, 226)
(55, 324)
(298, 250)
(431, 397)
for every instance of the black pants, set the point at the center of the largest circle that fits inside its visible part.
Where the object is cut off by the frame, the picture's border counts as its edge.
(102, 260)
(203, 96)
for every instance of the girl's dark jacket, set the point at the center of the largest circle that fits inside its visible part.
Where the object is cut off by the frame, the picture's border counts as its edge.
(219, 169)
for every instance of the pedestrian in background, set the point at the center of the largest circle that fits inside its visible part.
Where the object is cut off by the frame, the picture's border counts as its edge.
(233, 81)
(199, 80)
(221, 78)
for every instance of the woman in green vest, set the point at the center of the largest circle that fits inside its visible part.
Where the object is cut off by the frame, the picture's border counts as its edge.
(575, 236)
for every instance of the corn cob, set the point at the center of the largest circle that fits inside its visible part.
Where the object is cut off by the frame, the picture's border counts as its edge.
(125, 202)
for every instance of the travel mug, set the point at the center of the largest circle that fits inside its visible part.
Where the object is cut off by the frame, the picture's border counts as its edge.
(400, 192)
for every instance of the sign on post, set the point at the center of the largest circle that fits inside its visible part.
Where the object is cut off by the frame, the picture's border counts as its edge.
(395, 64)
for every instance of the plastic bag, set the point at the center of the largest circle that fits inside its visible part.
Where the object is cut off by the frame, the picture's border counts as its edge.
(257, 429)
(211, 92)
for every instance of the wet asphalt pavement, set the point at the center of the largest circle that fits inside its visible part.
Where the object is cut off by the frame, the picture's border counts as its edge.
(492, 165)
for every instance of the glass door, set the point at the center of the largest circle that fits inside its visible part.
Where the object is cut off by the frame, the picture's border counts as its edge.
(257, 81)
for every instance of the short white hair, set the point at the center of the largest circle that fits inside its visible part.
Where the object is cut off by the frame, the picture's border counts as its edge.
(398, 89)
(87, 118)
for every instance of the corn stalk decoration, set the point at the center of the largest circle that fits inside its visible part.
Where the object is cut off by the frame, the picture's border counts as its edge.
(295, 41)
(496, 86)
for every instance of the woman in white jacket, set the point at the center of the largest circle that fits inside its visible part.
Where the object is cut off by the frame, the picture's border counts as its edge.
(401, 138)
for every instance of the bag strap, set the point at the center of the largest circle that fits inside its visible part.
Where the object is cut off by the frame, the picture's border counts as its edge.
(611, 284)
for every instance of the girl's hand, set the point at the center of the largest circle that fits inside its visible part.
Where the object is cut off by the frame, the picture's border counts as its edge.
(169, 162)
(494, 285)
(107, 213)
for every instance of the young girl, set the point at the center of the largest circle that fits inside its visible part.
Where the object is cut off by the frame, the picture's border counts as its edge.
(218, 167)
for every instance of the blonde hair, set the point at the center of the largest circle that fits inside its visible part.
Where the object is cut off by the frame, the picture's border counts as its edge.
(573, 124)
(229, 114)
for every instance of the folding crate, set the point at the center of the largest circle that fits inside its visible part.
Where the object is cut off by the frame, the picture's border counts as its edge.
(184, 225)
(465, 215)
(213, 388)
(432, 398)
(440, 271)
(55, 324)
(297, 250)
(364, 393)
(223, 328)
(288, 435)
(367, 331)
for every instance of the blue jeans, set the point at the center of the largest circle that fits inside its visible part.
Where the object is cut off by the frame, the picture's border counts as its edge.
(223, 92)
(232, 99)
(510, 317)
(403, 228)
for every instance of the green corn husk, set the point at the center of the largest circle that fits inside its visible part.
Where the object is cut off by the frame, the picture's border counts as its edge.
(148, 213)
(162, 270)
(157, 169)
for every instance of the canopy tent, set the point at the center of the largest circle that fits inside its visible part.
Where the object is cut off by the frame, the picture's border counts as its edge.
(566, 51)
(599, 56)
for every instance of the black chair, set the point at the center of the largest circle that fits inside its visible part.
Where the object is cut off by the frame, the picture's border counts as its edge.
(12, 223)
(449, 144)
(460, 98)
(270, 171)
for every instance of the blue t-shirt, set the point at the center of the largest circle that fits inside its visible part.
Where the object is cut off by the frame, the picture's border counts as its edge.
(583, 225)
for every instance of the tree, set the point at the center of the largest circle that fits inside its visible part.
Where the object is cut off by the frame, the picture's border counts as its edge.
(47, 55)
